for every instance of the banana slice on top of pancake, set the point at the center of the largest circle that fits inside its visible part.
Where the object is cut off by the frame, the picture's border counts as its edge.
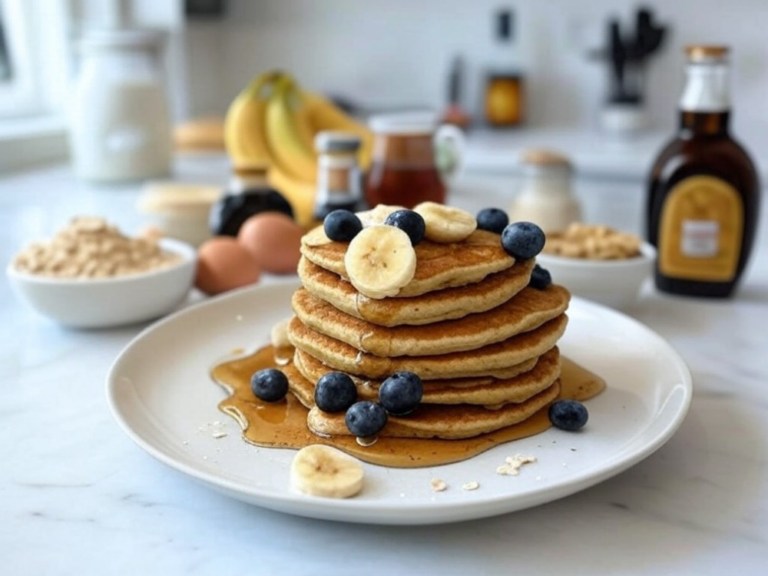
(446, 224)
(380, 260)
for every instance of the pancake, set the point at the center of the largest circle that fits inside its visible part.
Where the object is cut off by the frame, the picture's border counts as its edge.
(447, 304)
(482, 392)
(302, 358)
(485, 361)
(526, 311)
(448, 422)
(438, 265)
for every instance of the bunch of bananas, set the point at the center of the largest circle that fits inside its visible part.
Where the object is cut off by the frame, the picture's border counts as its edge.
(273, 121)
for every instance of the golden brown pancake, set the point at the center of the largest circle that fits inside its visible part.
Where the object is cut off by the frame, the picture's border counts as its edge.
(301, 357)
(485, 361)
(434, 421)
(438, 265)
(529, 309)
(446, 304)
(482, 392)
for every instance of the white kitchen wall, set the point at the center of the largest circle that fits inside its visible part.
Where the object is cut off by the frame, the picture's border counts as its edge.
(398, 52)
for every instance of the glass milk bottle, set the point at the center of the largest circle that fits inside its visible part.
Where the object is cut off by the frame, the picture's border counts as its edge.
(546, 197)
(120, 127)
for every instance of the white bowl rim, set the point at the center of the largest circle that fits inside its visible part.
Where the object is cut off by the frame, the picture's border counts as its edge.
(647, 253)
(186, 251)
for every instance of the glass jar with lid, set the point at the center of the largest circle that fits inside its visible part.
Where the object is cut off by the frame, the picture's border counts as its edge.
(546, 197)
(411, 154)
(120, 126)
(339, 180)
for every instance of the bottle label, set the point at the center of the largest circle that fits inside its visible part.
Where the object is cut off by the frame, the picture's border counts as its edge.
(700, 238)
(701, 230)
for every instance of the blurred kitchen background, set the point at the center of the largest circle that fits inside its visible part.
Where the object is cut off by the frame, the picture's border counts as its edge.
(379, 56)
(399, 52)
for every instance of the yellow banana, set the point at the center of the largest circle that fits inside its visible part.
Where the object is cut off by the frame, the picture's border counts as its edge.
(300, 193)
(272, 121)
(244, 123)
(286, 139)
(321, 114)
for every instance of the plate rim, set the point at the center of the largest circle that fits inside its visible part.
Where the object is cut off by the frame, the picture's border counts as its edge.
(426, 513)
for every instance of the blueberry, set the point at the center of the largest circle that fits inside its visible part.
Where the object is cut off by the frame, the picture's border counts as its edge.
(492, 219)
(569, 415)
(540, 278)
(335, 392)
(342, 225)
(523, 240)
(401, 393)
(410, 222)
(365, 418)
(269, 385)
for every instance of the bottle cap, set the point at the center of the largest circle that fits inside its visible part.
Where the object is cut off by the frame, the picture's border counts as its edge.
(543, 157)
(333, 141)
(706, 53)
(405, 123)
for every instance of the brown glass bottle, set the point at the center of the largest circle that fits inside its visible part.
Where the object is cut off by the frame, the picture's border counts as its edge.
(703, 199)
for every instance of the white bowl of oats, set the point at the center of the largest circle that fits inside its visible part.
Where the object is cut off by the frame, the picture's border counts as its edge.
(89, 275)
(599, 263)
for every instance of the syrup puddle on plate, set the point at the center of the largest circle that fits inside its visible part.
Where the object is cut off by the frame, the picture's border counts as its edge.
(284, 424)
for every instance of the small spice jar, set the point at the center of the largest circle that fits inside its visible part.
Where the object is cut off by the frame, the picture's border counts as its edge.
(546, 197)
(339, 180)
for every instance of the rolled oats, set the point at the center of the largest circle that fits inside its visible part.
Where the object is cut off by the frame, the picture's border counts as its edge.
(90, 247)
(592, 243)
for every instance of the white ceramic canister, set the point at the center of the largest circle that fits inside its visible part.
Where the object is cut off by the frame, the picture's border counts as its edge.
(546, 197)
(120, 126)
(179, 210)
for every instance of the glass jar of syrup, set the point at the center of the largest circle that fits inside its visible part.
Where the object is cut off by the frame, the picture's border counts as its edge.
(704, 192)
(406, 150)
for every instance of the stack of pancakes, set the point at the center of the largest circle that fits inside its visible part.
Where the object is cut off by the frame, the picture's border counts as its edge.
(481, 339)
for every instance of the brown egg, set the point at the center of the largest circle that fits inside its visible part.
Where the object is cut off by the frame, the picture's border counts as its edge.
(224, 264)
(274, 240)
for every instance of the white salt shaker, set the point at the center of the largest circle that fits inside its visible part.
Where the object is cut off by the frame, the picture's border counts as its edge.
(120, 125)
(546, 197)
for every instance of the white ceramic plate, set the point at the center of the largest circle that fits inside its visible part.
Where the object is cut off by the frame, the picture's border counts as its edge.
(160, 393)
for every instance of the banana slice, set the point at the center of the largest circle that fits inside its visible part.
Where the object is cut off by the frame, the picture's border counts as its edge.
(279, 334)
(326, 471)
(377, 215)
(380, 260)
(446, 224)
(316, 237)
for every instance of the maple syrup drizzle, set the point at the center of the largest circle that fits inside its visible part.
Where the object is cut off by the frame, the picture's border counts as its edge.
(284, 424)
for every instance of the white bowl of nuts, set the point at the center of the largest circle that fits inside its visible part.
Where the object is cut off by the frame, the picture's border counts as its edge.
(599, 263)
(91, 276)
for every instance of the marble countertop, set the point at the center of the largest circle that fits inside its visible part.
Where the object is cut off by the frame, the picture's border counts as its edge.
(77, 496)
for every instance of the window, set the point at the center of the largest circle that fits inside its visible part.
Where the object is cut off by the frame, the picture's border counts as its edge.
(34, 57)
